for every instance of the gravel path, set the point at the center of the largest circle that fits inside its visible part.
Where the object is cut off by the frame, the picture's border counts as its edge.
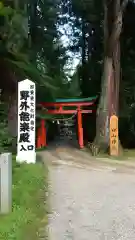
(91, 203)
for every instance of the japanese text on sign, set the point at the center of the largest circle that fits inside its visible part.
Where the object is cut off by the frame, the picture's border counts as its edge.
(26, 118)
(114, 136)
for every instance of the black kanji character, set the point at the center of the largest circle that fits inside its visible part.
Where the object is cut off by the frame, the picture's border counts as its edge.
(32, 122)
(114, 141)
(24, 137)
(23, 148)
(31, 86)
(24, 127)
(32, 115)
(32, 98)
(32, 128)
(30, 147)
(32, 104)
(24, 116)
(24, 95)
(113, 136)
(24, 106)
(114, 129)
(32, 92)
(32, 110)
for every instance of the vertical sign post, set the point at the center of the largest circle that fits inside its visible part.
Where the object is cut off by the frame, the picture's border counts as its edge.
(5, 183)
(114, 139)
(26, 122)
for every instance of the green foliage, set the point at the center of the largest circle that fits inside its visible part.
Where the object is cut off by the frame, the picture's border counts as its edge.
(86, 33)
(13, 28)
(127, 84)
(29, 43)
(85, 20)
(5, 138)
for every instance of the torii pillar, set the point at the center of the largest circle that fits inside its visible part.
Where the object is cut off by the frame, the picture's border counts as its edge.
(80, 128)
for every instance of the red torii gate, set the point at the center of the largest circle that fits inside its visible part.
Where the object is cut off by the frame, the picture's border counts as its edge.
(58, 108)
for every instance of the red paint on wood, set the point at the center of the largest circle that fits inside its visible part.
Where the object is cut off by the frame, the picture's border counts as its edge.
(39, 142)
(55, 111)
(80, 129)
(48, 104)
(41, 138)
(43, 133)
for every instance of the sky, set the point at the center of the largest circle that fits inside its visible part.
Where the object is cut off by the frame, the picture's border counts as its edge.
(74, 59)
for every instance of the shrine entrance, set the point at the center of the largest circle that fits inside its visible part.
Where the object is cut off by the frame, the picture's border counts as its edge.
(66, 129)
(72, 111)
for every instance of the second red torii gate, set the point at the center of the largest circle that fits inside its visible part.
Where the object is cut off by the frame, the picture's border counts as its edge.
(58, 108)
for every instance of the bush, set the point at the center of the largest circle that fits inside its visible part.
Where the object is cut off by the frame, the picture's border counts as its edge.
(5, 138)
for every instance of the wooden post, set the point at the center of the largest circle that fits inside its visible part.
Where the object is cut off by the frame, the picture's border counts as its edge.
(39, 142)
(80, 129)
(114, 136)
(5, 183)
(43, 133)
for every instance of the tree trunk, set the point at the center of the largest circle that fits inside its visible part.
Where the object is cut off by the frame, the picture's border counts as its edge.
(13, 121)
(109, 98)
(12, 116)
(116, 63)
(102, 127)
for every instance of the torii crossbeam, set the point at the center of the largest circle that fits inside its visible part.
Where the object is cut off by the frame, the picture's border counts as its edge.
(58, 107)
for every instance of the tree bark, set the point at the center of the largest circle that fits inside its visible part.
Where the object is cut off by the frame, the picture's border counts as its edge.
(116, 64)
(109, 98)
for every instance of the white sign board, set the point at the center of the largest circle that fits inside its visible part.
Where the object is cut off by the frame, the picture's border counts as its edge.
(26, 122)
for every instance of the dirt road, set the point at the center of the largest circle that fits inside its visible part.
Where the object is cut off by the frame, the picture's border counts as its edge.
(90, 200)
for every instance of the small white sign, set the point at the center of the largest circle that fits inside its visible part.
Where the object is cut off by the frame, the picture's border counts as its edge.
(26, 122)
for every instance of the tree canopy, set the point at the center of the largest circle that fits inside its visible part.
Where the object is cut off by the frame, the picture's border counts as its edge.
(60, 44)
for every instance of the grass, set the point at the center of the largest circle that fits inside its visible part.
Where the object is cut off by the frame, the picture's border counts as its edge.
(126, 154)
(41, 149)
(29, 203)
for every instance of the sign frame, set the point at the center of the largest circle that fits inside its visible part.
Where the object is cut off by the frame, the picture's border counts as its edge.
(114, 136)
(26, 122)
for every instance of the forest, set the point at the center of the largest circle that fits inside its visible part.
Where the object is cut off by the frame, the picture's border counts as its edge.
(70, 49)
